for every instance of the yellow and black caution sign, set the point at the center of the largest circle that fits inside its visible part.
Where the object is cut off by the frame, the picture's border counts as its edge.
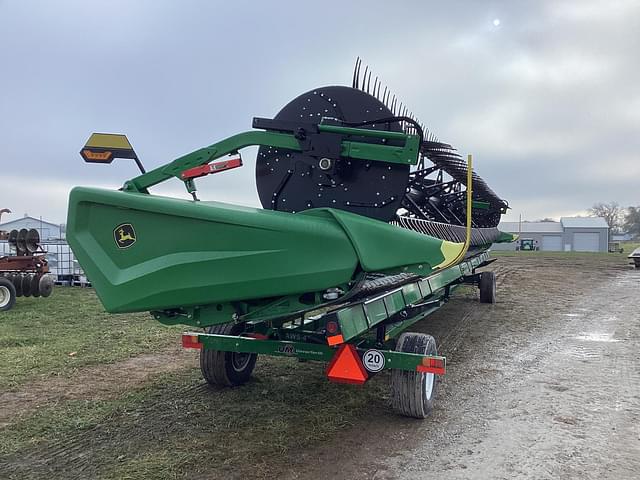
(105, 147)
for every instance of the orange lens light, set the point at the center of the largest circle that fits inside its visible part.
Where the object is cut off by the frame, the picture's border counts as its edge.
(97, 156)
(335, 340)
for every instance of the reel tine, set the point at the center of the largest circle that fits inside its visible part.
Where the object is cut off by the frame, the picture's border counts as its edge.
(354, 82)
(397, 108)
(364, 78)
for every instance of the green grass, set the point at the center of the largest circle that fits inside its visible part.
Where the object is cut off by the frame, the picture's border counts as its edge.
(42, 337)
(176, 427)
(585, 255)
(170, 426)
(629, 247)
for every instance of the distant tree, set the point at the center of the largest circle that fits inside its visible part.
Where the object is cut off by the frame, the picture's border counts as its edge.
(547, 219)
(611, 212)
(632, 221)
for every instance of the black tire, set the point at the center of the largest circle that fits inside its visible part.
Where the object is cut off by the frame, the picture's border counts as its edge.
(12, 278)
(17, 284)
(226, 368)
(487, 287)
(7, 294)
(413, 393)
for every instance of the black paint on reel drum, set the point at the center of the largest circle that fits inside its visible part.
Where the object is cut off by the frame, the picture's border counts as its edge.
(293, 181)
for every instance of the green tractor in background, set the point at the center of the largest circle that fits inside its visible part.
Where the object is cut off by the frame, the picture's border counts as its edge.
(527, 244)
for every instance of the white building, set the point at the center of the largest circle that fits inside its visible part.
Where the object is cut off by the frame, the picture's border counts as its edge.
(47, 230)
(570, 234)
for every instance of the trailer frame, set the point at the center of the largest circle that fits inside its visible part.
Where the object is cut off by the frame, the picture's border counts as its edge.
(368, 325)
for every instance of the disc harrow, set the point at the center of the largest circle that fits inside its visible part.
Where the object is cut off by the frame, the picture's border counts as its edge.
(25, 273)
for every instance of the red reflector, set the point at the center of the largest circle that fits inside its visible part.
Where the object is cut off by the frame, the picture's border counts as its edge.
(335, 340)
(346, 367)
(190, 341)
(332, 327)
(216, 167)
(432, 365)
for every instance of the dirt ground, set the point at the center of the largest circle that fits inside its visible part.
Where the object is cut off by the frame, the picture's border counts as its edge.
(544, 384)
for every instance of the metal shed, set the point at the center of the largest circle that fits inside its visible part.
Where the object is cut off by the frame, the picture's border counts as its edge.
(47, 230)
(585, 234)
(570, 234)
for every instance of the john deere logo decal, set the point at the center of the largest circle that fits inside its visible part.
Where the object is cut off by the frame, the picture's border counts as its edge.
(124, 235)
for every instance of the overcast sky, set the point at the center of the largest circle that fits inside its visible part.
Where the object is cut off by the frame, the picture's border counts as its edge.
(546, 95)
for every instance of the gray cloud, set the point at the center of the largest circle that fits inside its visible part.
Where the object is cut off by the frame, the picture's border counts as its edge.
(548, 101)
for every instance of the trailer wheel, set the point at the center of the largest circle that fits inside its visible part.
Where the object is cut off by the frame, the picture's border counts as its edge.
(487, 287)
(7, 294)
(226, 368)
(413, 393)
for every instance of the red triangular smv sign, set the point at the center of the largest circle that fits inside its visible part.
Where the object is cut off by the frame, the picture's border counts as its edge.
(346, 366)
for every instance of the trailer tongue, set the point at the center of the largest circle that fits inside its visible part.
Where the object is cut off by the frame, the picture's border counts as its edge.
(359, 238)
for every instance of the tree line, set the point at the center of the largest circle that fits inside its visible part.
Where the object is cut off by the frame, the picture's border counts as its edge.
(619, 219)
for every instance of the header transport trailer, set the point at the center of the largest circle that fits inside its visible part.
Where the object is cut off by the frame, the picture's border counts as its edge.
(369, 225)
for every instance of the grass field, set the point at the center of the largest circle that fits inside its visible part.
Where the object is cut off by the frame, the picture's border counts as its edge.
(57, 335)
(629, 247)
(65, 374)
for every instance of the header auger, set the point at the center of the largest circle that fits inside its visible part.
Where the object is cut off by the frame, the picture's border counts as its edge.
(368, 225)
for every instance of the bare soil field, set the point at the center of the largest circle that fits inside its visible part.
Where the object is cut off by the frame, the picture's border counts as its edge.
(543, 384)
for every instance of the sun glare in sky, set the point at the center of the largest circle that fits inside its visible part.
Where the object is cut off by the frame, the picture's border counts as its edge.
(496, 22)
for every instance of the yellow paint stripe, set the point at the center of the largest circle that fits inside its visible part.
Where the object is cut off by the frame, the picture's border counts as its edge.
(455, 252)
(109, 140)
(450, 251)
